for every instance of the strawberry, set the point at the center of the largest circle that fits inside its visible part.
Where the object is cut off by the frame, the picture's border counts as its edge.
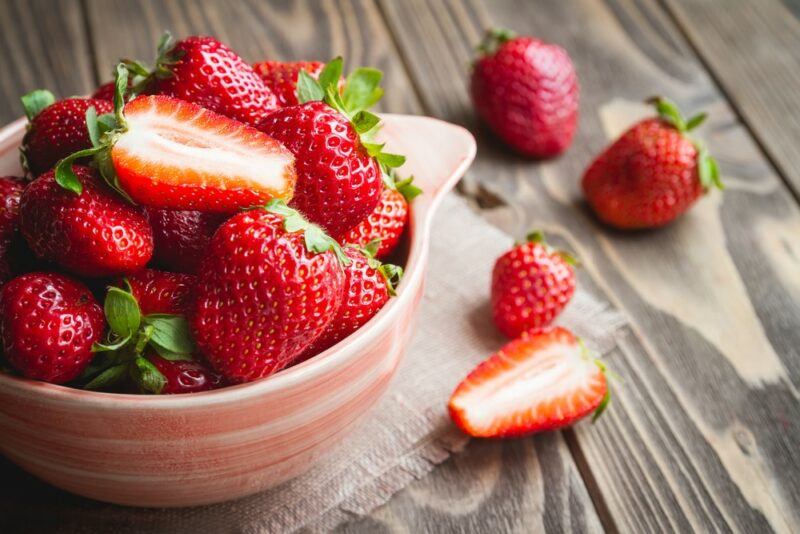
(48, 323)
(181, 237)
(184, 376)
(167, 153)
(161, 291)
(204, 71)
(339, 170)
(652, 174)
(105, 92)
(10, 191)
(541, 381)
(387, 221)
(527, 92)
(55, 129)
(95, 233)
(368, 285)
(531, 284)
(268, 287)
(281, 77)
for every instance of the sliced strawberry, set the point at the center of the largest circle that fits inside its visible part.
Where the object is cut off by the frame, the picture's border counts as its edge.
(177, 155)
(543, 380)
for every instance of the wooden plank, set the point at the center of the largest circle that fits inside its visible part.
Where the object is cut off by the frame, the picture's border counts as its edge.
(701, 435)
(44, 47)
(520, 483)
(753, 51)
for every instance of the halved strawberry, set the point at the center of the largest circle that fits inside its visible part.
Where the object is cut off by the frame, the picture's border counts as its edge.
(543, 380)
(166, 153)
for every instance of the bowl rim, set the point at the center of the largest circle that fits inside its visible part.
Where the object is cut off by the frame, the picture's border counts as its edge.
(339, 354)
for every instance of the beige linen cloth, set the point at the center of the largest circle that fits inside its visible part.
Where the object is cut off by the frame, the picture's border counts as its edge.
(408, 433)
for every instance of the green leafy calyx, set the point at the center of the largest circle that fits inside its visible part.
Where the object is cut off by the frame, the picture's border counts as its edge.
(493, 39)
(537, 236)
(34, 102)
(316, 240)
(392, 274)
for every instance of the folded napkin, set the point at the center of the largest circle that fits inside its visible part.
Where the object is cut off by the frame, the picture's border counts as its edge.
(408, 433)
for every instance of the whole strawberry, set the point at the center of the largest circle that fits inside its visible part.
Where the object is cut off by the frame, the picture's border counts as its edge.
(205, 72)
(268, 287)
(186, 376)
(10, 191)
(281, 77)
(368, 285)
(94, 234)
(652, 174)
(531, 285)
(56, 129)
(48, 323)
(527, 92)
(182, 237)
(339, 171)
(161, 291)
(387, 221)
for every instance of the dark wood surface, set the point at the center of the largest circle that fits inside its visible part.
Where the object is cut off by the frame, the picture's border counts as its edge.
(703, 432)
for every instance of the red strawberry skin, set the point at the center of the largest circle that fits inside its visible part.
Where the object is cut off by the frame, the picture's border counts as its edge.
(213, 76)
(364, 294)
(93, 234)
(58, 131)
(182, 237)
(338, 183)
(386, 222)
(185, 376)
(261, 297)
(538, 382)
(645, 179)
(161, 291)
(10, 192)
(531, 285)
(281, 77)
(178, 155)
(105, 92)
(48, 324)
(527, 92)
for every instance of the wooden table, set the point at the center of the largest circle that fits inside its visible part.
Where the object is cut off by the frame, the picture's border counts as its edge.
(704, 430)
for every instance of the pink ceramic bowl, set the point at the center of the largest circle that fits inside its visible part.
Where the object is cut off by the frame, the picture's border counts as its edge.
(202, 448)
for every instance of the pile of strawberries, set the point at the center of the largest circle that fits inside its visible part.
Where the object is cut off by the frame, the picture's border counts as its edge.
(526, 91)
(196, 223)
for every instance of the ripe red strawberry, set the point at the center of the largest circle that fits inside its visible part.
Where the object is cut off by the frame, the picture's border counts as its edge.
(527, 92)
(339, 172)
(167, 153)
(161, 291)
(543, 380)
(182, 237)
(387, 221)
(105, 92)
(368, 285)
(205, 72)
(56, 129)
(268, 287)
(92, 234)
(281, 77)
(48, 325)
(186, 376)
(531, 284)
(652, 174)
(10, 191)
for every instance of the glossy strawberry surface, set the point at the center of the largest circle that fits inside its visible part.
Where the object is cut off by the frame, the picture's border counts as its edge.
(281, 77)
(161, 291)
(262, 298)
(386, 222)
(58, 131)
(48, 323)
(526, 90)
(94, 234)
(209, 74)
(183, 376)
(645, 179)
(182, 237)
(105, 92)
(338, 183)
(10, 191)
(531, 285)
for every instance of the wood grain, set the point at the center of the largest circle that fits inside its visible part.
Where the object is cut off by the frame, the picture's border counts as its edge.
(700, 435)
(753, 51)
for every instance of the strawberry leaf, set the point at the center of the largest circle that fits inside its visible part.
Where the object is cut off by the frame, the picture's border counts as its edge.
(364, 121)
(111, 345)
(696, 121)
(390, 161)
(92, 126)
(362, 89)
(34, 102)
(708, 170)
(147, 375)
(668, 111)
(408, 189)
(109, 377)
(172, 356)
(308, 89)
(170, 332)
(602, 406)
(331, 73)
(392, 274)
(66, 177)
(122, 312)
(316, 240)
(120, 88)
(493, 38)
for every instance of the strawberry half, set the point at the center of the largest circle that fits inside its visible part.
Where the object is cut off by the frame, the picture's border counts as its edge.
(166, 153)
(543, 380)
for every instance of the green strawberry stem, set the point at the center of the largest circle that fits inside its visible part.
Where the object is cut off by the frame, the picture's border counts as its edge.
(493, 38)
(707, 167)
